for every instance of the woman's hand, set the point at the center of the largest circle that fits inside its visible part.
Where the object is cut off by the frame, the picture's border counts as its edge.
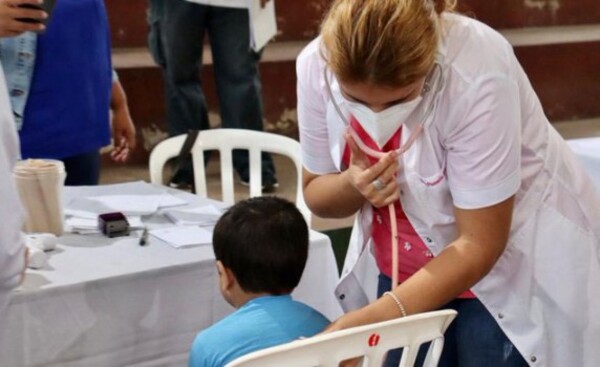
(123, 130)
(11, 11)
(377, 182)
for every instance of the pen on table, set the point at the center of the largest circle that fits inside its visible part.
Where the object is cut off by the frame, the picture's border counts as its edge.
(144, 237)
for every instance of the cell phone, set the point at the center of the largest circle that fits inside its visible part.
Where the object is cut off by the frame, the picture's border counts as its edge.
(47, 6)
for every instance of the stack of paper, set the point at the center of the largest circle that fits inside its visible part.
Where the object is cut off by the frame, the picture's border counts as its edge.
(205, 216)
(180, 237)
(90, 225)
(82, 211)
(136, 205)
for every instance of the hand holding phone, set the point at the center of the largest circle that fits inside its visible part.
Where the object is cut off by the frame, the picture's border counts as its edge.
(46, 6)
(38, 15)
(18, 16)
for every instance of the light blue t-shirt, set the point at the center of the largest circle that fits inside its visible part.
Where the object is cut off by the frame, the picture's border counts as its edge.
(261, 323)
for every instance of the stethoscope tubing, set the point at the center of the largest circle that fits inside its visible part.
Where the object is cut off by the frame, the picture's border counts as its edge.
(430, 83)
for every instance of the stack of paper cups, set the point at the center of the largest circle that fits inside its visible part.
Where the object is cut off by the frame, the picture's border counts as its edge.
(40, 183)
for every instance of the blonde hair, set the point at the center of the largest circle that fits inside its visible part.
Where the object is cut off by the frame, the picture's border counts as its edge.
(382, 42)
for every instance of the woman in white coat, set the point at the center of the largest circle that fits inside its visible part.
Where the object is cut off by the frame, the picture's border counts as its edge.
(423, 121)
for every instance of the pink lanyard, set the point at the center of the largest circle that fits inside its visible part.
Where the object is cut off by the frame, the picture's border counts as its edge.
(392, 212)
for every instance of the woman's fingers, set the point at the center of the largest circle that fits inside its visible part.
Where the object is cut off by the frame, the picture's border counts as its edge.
(385, 169)
(387, 196)
(357, 157)
(376, 182)
(22, 2)
(18, 27)
(15, 19)
(121, 151)
(388, 163)
(28, 9)
(119, 156)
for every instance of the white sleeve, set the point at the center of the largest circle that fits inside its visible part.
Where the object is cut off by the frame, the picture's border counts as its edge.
(484, 147)
(312, 121)
(11, 219)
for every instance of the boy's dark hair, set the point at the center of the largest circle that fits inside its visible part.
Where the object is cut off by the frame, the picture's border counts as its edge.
(264, 241)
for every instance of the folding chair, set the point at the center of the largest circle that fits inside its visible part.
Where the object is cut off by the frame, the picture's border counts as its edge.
(370, 341)
(225, 141)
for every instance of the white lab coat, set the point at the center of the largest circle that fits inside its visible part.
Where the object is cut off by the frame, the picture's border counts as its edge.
(11, 218)
(544, 291)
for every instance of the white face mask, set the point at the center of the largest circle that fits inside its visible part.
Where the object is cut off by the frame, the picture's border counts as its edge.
(381, 126)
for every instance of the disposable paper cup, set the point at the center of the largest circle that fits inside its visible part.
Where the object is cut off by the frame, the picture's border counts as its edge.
(40, 184)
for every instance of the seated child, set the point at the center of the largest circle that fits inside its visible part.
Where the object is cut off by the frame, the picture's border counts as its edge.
(261, 247)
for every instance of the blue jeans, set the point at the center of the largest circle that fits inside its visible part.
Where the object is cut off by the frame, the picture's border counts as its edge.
(82, 169)
(474, 339)
(177, 29)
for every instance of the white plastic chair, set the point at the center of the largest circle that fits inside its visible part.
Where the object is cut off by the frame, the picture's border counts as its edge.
(371, 341)
(225, 141)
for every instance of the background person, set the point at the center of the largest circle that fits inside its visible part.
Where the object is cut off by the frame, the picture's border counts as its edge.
(177, 28)
(62, 86)
(261, 247)
(496, 217)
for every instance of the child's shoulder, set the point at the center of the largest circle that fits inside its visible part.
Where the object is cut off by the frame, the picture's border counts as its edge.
(309, 321)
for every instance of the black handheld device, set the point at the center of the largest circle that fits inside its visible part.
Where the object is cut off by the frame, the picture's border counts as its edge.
(47, 6)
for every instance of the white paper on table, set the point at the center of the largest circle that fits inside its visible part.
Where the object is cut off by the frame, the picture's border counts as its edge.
(179, 237)
(130, 205)
(168, 201)
(82, 223)
(263, 24)
(91, 207)
(207, 215)
(135, 222)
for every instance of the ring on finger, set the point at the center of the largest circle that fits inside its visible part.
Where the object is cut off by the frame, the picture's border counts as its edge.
(378, 184)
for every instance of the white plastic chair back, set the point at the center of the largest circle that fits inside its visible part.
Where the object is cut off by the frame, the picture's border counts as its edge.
(370, 341)
(160, 155)
(225, 141)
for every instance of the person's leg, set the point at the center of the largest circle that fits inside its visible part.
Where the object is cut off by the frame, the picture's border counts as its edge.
(473, 339)
(176, 43)
(83, 169)
(393, 357)
(479, 339)
(238, 81)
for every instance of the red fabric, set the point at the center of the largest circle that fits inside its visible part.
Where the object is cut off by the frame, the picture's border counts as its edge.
(413, 254)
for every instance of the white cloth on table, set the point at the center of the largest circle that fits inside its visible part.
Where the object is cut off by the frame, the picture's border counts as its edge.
(110, 302)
